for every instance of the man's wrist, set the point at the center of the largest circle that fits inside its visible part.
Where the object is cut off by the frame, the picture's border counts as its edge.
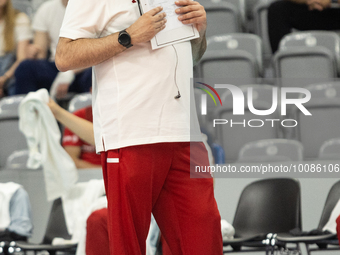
(124, 39)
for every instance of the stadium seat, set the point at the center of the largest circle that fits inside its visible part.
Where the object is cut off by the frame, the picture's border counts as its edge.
(222, 18)
(330, 149)
(325, 241)
(241, 6)
(11, 138)
(56, 227)
(265, 206)
(17, 160)
(301, 66)
(80, 101)
(271, 150)
(327, 39)
(239, 41)
(260, 11)
(324, 123)
(233, 59)
(24, 6)
(234, 137)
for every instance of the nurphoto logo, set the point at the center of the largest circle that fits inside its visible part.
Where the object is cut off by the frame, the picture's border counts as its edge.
(279, 100)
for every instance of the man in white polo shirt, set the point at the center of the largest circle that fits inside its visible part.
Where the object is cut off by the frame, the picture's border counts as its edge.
(141, 112)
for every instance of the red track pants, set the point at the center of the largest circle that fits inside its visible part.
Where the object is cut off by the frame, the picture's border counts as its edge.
(97, 238)
(156, 178)
(338, 227)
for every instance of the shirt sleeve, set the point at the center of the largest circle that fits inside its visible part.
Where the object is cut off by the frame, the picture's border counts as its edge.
(84, 19)
(22, 28)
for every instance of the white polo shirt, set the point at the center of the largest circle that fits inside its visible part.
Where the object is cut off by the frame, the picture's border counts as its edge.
(133, 92)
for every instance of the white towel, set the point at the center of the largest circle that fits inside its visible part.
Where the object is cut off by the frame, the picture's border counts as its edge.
(228, 231)
(78, 202)
(83, 199)
(7, 190)
(39, 126)
(331, 224)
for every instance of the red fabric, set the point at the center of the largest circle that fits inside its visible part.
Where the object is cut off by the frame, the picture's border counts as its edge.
(338, 227)
(88, 152)
(165, 247)
(156, 178)
(97, 239)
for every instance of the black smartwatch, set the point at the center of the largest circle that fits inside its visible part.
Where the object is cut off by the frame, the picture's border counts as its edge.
(124, 39)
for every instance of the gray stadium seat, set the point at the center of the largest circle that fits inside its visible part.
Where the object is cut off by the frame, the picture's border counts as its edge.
(324, 123)
(271, 150)
(241, 41)
(260, 12)
(241, 6)
(234, 59)
(233, 138)
(329, 40)
(80, 101)
(11, 138)
(24, 6)
(18, 160)
(301, 66)
(330, 149)
(222, 18)
(231, 66)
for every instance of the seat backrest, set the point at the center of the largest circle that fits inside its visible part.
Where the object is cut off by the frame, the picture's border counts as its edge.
(268, 206)
(56, 226)
(24, 6)
(327, 39)
(260, 13)
(222, 18)
(324, 123)
(239, 131)
(17, 160)
(80, 101)
(240, 5)
(301, 66)
(271, 150)
(230, 66)
(11, 138)
(247, 42)
(330, 149)
(332, 199)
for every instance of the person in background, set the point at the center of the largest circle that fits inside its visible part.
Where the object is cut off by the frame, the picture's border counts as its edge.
(38, 71)
(19, 211)
(302, 15)
(15, 37)
(83, 154)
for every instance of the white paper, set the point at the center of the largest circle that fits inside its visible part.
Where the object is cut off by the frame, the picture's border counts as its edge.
(175, 31)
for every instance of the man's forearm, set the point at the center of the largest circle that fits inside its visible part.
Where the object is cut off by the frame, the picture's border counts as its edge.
(84, 53)
(198, 46)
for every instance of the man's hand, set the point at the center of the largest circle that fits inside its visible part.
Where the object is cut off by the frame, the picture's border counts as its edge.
(319, 5)
(191, 12)
(147, 26)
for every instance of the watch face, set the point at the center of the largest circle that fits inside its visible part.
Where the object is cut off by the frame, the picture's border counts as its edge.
(124, 39)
